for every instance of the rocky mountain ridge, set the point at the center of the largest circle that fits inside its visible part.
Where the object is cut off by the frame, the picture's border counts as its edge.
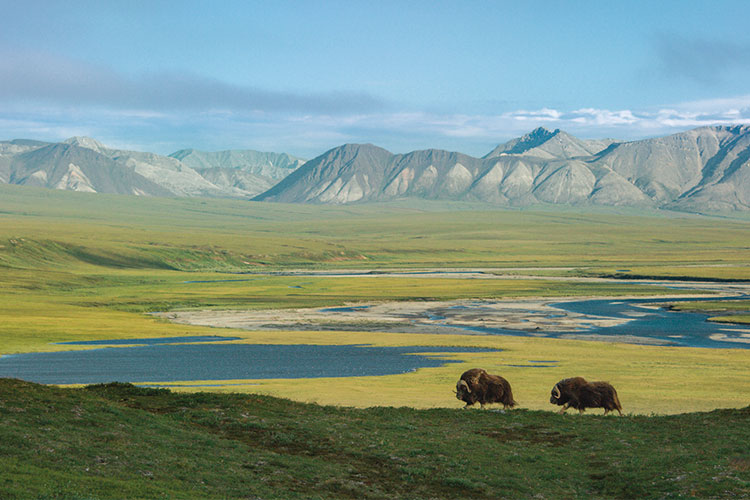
(84, 164)
(698, 170)
(543, 143)
(704, 169)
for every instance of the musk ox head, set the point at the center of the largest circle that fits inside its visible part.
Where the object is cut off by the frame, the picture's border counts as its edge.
(463, 392)
(555, 395)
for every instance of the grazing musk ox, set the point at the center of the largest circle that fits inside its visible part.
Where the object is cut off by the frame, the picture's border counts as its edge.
(476, 385)
(576, 392)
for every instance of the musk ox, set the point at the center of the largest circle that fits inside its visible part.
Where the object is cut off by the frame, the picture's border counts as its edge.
(576, 392)
(476, 385)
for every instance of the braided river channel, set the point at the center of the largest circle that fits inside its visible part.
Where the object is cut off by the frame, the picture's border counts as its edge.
(222, 358)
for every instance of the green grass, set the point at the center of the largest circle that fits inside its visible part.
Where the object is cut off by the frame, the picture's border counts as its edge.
(46, 228)
(735, 311)
(117, 441)
(739, 305)
(743, 319)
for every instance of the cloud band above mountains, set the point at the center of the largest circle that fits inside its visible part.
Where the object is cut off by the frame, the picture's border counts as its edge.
(41, 78)
(53, 98)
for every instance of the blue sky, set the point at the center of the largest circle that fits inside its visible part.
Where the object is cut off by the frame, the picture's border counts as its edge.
(303, 77)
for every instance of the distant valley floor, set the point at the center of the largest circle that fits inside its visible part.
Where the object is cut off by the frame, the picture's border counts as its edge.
(622, 319)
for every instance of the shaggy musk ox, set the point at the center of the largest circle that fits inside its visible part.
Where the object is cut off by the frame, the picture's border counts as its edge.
(476, 385)
(576, 392)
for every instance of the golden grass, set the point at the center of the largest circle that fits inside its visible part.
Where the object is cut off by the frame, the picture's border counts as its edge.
(659, 380)
(734, 318)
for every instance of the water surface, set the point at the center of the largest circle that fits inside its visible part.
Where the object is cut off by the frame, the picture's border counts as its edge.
(648, 319)
(153, 341)
(184, 362)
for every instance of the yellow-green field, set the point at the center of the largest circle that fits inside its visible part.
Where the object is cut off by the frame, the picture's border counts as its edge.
(46, 228)
(648, 379)
(738, 311)
(88, 267)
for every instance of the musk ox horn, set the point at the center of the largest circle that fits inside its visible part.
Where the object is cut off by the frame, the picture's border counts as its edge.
(465, 385)
(556, 391)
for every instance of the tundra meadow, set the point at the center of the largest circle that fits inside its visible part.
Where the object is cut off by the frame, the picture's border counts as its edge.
(92, 267)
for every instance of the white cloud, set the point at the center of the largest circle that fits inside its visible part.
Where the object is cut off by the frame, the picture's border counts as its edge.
(587, 122)
(309, 133)
(711, 105)
(544, 114)
(603, 117)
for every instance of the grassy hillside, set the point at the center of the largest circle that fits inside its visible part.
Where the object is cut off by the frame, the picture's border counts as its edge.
(116, 441)
(47, 228)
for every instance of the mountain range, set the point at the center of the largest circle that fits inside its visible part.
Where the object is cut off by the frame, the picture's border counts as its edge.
(84, 164)
(704, 169)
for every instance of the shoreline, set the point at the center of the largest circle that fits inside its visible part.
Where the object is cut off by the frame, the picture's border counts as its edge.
(527, 317)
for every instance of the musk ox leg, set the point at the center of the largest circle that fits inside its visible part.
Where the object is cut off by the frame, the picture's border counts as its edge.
(580, 411)
(565, 407)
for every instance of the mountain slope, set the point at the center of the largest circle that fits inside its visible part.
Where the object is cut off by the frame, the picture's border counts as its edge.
(236, 182)
(85, 164)
(269, 165)
(70, 167)
(170, 174)
(702, 169)
(363, 172)
(725, 176)
(549, 145)
(9, 149)
(244, 172)
(351, 172)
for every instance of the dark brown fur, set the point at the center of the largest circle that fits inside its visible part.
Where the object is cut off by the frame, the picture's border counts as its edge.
(478, 386)
(577, 393)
